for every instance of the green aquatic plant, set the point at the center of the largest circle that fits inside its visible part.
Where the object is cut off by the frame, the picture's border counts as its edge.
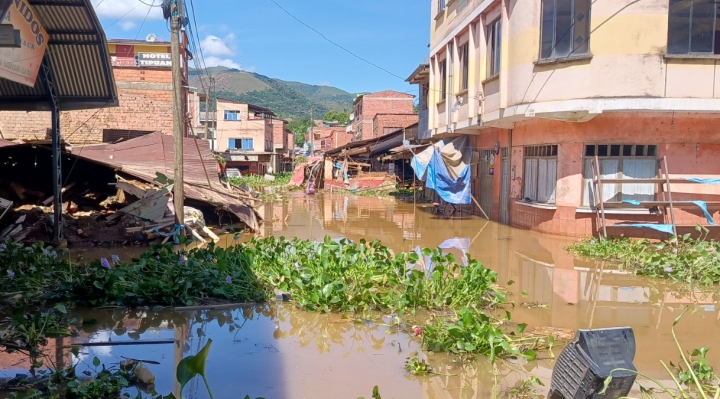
(160, 276)
(682, 258)
(474, 333)
(258, 182)
(28, 331)
(416, 366)
(354, 277)
(695, 380)
(526, 389)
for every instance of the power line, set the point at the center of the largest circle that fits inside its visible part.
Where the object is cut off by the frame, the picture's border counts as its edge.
(146, 17)
(334, 43)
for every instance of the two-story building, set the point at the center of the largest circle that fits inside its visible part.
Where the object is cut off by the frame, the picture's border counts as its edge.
(376, 114)
(546, 86)
(244, 134)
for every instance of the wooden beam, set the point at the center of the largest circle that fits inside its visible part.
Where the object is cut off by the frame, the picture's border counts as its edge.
(50, 199)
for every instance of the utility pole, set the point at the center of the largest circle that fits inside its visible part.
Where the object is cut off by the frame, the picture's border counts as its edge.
(179, 188)
(312, 133)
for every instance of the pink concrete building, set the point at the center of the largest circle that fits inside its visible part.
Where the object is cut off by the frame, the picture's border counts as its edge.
(543, 92)
(244, 136)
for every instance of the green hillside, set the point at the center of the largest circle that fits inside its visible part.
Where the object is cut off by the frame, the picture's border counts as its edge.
(287, 99)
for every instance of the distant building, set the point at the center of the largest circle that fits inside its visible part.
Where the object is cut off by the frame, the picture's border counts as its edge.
(143, 77)
(380, 113)
(244, 136)
(282, 146)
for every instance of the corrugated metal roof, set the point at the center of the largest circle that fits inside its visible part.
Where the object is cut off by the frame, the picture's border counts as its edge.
(77, 51)
(144, 156)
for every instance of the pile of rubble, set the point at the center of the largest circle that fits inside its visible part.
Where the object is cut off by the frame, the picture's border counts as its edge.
(118, 194)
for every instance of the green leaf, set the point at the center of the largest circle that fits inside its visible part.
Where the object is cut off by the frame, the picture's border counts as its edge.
(677, 319)
(605, 385)
(511, 282)
(530, 355)
(96, 361)
(520, 328)
(523, 293)
(60, 308)
(192, 366)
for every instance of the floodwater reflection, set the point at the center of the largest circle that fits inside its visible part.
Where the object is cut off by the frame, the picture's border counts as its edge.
(283, 352)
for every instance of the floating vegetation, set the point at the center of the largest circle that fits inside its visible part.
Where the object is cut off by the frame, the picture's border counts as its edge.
(681, 259)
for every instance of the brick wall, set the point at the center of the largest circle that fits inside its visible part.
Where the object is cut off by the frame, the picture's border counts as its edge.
(383, 102)
(394, 121)
(280, 137)
(145, 103)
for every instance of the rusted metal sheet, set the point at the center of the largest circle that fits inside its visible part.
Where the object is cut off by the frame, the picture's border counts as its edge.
(153, 153)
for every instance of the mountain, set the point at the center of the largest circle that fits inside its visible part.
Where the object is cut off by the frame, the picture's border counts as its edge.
(287, 99)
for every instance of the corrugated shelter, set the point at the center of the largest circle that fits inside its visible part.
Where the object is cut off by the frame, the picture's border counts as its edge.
(153, 153)
(77, 57)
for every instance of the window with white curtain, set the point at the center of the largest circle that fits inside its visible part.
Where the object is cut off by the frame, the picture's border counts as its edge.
(540, 173)
(620, 161)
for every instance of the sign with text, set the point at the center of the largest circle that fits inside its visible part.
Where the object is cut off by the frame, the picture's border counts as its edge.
(162, 60)
(22, 64)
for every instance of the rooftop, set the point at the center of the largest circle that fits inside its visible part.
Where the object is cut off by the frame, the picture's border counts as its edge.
(77, 57)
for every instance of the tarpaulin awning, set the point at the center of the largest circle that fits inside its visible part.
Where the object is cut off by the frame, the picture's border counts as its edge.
(445, 168)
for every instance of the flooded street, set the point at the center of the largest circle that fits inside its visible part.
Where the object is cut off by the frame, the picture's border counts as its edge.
(278, 351)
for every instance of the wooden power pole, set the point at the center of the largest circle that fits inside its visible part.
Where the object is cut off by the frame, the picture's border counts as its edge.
(179, 188)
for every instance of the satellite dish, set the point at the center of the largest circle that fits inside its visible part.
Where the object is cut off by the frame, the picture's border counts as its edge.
(150, 38)
(351, 117)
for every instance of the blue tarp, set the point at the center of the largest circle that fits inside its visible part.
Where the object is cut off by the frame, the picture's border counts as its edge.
(711, 180)
(703, 206)
(437, 177)
(663, 228)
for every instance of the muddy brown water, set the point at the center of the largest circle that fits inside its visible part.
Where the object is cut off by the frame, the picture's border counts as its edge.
(277, 351)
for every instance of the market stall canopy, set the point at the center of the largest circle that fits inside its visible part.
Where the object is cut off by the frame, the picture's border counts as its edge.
(76, 50)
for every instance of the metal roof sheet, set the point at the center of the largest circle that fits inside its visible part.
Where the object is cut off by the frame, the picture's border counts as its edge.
(77, 51)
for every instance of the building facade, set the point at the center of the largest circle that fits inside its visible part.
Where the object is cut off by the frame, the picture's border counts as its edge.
(545, 86)
(143, 77)
(244, 134)
(382, 112)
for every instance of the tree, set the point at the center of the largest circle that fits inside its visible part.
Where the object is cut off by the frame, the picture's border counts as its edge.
(337, 116)
(300, 127)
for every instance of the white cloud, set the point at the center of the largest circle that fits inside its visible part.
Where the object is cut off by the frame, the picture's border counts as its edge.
(128, 10)
(217, 61)
(127, 25)
(324, 83)
(218, 47)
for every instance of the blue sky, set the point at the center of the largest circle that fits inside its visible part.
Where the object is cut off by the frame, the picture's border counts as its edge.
(258, 36)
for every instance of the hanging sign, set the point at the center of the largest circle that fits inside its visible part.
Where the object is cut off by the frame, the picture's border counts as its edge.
(154, 60)
(22, 64)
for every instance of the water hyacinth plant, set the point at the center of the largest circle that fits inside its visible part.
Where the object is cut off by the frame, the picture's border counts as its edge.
(356, 277)
(681, 259)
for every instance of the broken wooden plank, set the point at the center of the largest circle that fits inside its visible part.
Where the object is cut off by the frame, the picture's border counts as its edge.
(132, 189)
(18, 228)
(5, 206)
(197, 235)
(162, 223)
(50, 199)
(210, 233)
(151, 207)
